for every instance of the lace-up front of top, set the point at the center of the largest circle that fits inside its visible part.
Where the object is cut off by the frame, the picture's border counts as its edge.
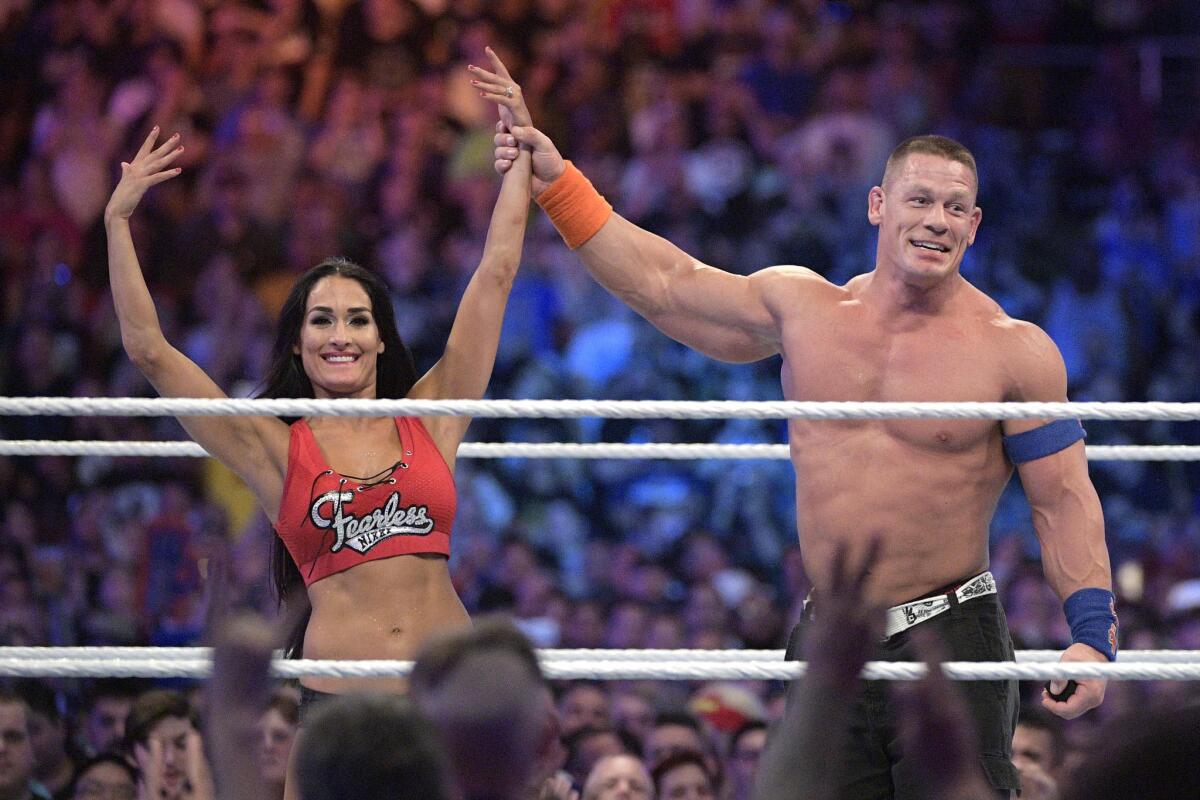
(332, 522)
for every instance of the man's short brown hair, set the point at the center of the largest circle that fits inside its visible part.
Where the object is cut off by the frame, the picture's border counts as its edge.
(932, 145)
(152, 707)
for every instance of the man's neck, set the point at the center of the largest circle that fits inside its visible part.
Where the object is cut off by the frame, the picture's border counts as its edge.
(895, 296)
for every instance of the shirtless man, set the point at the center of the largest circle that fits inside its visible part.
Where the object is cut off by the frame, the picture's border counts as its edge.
(912, 329)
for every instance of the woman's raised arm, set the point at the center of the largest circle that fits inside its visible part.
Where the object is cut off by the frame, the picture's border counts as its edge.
(253, 447)
(465, 368)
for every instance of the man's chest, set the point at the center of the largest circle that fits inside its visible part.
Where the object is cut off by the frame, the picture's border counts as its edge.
(850, 360)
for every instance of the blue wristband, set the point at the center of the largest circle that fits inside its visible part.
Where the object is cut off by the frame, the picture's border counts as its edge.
(1043, 441)
(1092, 615)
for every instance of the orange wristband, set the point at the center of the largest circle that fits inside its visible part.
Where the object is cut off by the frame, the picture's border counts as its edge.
(575, 207)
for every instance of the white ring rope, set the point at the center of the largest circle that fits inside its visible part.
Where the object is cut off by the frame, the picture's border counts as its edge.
(132, 654)
(562, 409)
(613, 670)
(598, 450)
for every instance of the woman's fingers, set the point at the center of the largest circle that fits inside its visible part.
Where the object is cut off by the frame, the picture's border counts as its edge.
(147, 145)
(151, 162)
(499, 87)
(484, 76)
(166, 146)
(158, 163)
(159, 177)
(497, 64)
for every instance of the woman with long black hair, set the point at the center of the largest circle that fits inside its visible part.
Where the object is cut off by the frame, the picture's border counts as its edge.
(364, 506)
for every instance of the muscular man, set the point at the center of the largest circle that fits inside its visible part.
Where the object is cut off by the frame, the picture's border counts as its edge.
(912, 329)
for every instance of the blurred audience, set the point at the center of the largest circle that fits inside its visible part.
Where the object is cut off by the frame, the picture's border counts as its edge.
(747, 131)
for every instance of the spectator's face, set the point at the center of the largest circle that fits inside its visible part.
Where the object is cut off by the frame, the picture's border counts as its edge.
(46, 737)
(595, 748)
(583, 707)
(927, 217)
(633, 713)
(666, 740)
(171, 735)
(16, 753)
(686, 782)
(1033, 746)
(627, 628)
(339, 342)
(620, 777)
(105, 782)
(704, 608)
(35, 352)
(275, 746)
(743, 760)
(585, 627)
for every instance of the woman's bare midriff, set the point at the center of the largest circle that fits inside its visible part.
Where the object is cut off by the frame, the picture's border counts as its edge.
(384, 609)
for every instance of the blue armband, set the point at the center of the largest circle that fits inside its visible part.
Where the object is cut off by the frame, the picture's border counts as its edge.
(1043, 441)
(1092, 615)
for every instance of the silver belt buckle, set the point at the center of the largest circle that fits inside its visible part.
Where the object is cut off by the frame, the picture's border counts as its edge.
(902, 617)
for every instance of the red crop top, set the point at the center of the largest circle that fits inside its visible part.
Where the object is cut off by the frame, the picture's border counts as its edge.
(331, 522)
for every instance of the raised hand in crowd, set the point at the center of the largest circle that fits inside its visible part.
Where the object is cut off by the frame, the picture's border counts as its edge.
(936, 733)
(803, 757)
(237, 694)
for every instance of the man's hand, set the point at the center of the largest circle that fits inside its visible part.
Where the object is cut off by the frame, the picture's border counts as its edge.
(548, 164)
(1088, 695)
(149, 167)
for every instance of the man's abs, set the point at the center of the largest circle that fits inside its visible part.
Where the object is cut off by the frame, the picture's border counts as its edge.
(930, 506)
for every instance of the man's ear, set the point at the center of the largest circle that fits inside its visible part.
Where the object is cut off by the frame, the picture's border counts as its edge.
(976, 218)
(875, 205)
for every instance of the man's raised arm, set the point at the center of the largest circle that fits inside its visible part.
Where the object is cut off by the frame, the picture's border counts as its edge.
(726, 316)
(729, 317)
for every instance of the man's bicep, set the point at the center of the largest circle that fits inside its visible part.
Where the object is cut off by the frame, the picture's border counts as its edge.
(732, 317)
(696, 304)
(714, 295)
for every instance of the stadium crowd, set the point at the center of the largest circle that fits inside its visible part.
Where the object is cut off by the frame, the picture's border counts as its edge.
(748, 132)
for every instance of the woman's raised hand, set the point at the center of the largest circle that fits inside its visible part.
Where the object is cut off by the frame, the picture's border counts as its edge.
(151, 165)
(499, 87)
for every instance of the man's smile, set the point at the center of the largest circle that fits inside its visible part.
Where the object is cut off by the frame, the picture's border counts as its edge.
(926, 244)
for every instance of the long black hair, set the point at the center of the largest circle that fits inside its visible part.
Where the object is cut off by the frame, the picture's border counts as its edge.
(395, 374)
